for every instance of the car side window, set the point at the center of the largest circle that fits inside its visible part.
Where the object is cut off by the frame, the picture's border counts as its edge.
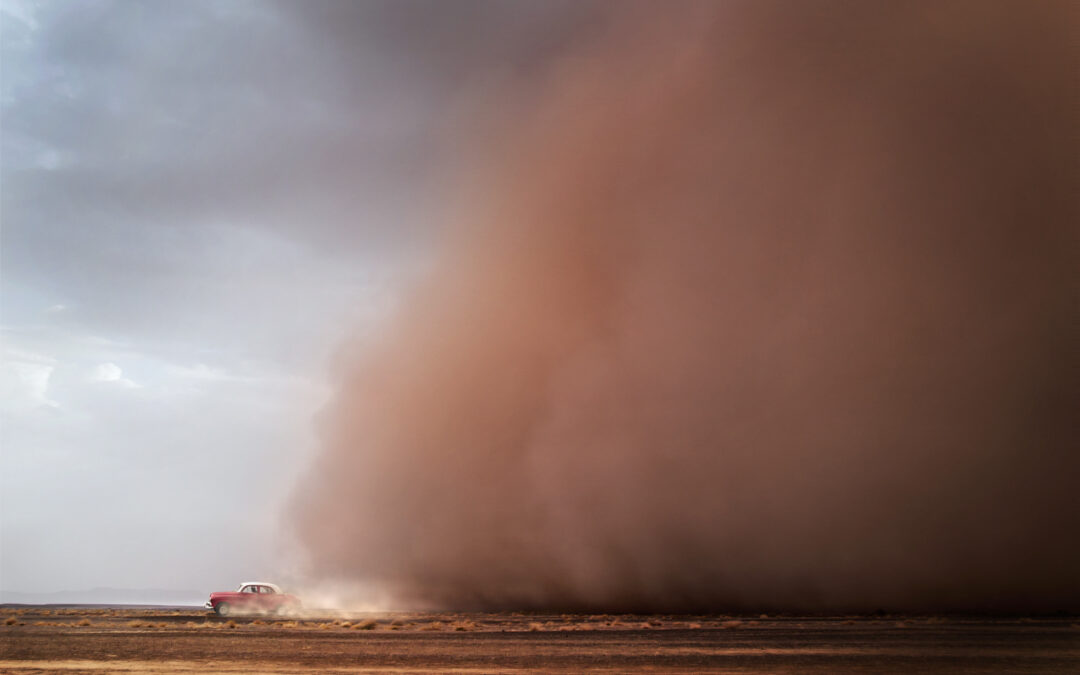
(248, 589)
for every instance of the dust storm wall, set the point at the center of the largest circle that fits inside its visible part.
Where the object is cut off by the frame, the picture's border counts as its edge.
(738, 305)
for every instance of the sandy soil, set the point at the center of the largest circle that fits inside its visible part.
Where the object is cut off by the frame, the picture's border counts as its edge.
(93, 640)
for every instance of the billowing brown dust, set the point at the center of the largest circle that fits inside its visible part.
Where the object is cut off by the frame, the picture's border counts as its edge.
(744, 305)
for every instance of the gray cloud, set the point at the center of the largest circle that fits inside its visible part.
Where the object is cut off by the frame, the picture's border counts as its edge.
(141, 141)
(199, 199)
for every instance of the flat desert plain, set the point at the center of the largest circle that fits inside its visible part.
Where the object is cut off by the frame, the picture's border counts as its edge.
(37, 639)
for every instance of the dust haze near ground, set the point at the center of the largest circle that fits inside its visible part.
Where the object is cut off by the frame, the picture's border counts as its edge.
(742, 305)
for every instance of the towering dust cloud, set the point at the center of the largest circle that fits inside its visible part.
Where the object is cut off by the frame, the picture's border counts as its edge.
(743, 305)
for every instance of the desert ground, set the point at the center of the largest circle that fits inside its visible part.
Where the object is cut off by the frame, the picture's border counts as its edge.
(36, 639)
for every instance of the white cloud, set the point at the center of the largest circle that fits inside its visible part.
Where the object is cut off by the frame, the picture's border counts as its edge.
(21, 11)
(202, 371)
(110, 372)
(24, 384)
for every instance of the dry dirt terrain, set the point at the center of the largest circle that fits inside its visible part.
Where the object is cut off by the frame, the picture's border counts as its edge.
(95, 639)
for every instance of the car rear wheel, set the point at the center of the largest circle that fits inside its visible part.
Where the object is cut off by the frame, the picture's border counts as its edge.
(288, 608)
(223, 609)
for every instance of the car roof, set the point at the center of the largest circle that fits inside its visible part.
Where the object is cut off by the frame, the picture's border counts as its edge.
(261, 583)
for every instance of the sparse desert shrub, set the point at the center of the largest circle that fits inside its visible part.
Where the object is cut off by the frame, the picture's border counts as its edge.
(464, 625)
(731, 625)
(366, 624)
(135, 623)
(397, 622)
(10, 621)
(231, 624)
(434, 625)
(693, 625)
(534, 627)
(257, 622)
(656, 622)
(763, 616)
(84, 622)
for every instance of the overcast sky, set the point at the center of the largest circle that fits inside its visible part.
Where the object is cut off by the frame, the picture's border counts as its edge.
(199, 200)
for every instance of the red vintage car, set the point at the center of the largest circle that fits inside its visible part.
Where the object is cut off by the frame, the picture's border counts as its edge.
(253, 597)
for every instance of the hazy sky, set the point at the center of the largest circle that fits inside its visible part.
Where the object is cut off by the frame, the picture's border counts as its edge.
(545, 304)
(199, 200)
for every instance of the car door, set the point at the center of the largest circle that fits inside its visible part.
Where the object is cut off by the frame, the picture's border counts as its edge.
(268, 598)
(249, 596)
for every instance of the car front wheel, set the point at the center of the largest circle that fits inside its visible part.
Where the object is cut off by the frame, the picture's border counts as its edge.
(223, 609)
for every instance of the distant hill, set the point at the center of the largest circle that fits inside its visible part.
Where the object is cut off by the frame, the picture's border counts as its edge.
(106, 596)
